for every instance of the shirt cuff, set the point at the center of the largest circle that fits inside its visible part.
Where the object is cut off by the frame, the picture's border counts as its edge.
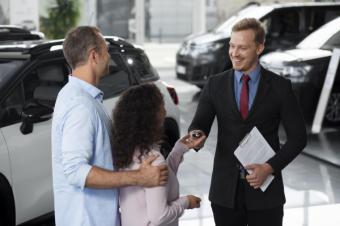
(82, 174)
(184, 201)
(181, 147)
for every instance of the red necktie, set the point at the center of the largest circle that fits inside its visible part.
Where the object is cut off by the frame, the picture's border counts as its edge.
(244, 96)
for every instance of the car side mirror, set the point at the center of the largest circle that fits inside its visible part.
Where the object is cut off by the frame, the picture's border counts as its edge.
(33, 113)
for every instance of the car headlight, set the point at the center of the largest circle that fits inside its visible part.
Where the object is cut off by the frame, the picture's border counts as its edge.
(296, 71)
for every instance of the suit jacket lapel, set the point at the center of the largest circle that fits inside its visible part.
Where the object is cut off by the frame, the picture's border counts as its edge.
(261, 93)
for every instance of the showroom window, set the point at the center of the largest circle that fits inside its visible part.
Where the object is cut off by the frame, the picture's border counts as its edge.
(333, 42)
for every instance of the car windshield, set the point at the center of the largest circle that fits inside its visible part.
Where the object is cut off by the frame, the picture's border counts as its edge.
(251, 11)
(7, 68)
(320, 37)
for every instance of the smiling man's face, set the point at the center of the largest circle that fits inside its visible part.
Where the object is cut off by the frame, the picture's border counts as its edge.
(244, 51)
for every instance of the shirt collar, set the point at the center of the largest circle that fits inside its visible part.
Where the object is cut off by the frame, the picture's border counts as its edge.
(254, 74)
(89, 88)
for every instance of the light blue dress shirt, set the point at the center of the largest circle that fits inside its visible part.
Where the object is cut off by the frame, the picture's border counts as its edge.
(80, 140)
(253, 83)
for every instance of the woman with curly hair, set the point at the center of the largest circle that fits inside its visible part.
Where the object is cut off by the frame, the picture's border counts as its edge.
(137, 129)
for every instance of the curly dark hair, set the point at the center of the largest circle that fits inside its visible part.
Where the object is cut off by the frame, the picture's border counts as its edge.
(136, 123)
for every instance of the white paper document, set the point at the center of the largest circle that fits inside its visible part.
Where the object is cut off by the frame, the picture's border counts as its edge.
(254, 149)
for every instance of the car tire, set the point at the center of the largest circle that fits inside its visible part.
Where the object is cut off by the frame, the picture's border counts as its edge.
(171, 135)
(7, 209)
(332, 114)
(166, 148)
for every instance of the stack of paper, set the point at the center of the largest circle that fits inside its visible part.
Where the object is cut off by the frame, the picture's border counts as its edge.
(254, 149)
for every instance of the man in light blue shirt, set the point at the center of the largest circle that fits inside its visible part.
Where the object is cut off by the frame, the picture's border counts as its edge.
(84, 181)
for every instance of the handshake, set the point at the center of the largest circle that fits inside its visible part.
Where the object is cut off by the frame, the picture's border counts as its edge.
(195, 139)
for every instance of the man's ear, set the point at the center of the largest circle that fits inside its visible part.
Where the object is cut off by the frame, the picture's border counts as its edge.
(93, 56)
(259, 49)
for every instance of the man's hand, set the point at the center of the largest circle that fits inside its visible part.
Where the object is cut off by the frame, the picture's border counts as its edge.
(151, 176)
(194, 202)
(259, 173)
(193, 142)
(196, 139)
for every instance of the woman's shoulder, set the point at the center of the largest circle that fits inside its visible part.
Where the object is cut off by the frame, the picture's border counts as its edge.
(154, 150)
(160, 158)
(137, 158)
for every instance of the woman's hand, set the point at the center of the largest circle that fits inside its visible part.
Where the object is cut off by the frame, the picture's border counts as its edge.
(194, 202)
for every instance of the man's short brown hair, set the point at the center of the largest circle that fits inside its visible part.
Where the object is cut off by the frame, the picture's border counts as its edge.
(253, 24)
(78, 42)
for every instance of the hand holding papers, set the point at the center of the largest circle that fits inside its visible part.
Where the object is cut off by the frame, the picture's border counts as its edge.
(254, 149)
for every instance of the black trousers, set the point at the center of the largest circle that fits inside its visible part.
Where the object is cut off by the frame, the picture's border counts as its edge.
(240, 216)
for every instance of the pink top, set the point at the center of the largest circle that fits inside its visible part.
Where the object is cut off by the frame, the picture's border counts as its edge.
(159, 205)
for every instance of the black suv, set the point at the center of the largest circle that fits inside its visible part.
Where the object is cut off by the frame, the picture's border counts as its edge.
(31, 75)
(286, 25)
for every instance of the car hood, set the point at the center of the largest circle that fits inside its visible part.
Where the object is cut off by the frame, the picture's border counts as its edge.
(206, 38)
(279, 58)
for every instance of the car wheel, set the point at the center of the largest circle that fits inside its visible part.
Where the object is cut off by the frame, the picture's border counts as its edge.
(166, 148)
(7, 210)
(332, 114)
(170, 136)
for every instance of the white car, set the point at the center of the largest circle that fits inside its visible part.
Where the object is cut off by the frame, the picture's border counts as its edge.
(306, 66)
(31, 75)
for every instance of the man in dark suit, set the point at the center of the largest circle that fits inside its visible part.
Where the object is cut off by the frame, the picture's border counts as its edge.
(241, 98)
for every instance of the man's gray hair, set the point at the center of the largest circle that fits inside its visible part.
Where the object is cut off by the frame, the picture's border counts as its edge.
(78, 42)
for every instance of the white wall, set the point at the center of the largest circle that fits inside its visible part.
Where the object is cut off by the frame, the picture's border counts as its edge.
(24, 13)
(88, 12)
(4, 17)
(171, 18)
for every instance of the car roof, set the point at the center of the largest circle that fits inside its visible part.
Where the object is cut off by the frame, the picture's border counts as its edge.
(276, 5)
(260, 10)
(296, 4)
(37, 47)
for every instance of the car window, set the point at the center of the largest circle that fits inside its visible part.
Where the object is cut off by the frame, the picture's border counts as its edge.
(11, 107)
(333, 42)
(7, 68)
(316, 17)
(117, 80)
(284, 22)
(318, 38)
(140, 67)
(283, 27)
(43, 83)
